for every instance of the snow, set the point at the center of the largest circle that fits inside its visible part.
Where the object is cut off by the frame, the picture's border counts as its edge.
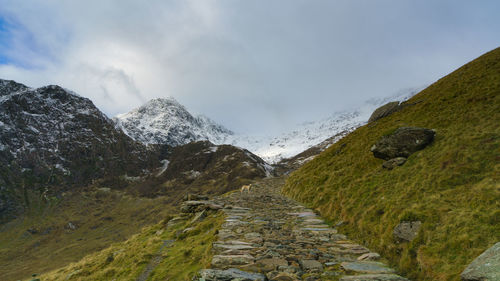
(166, 121)
(165, 163)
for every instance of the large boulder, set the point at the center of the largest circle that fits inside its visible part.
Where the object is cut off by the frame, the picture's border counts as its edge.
(385, 110)
(402, 143)
(486, 267)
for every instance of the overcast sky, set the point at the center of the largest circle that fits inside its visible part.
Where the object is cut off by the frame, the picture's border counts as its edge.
(254, 66)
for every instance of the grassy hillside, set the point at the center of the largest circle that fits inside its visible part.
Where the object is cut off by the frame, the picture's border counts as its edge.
(57, 231)
(158, 249)
(452, 186)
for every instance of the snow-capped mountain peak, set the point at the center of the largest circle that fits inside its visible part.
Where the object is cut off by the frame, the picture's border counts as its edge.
(166, 121)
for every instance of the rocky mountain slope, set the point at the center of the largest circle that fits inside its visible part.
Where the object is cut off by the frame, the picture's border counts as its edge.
(204, 168)
(430, 211)
(50, 136)
(165, 121)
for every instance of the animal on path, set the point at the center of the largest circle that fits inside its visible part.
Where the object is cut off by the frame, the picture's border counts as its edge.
(246, 187)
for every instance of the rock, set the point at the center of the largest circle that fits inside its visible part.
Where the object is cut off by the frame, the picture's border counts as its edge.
(486, 267)
(311, 265)
(402, 143)
(199, 217)
(198, 206)
(218, 246)
(272, 263)
(393, 163)
(230, 274)
(384, 111)
(407, 230)
(374, 277)
(222, 261)
(369, 257)
(285, 277)
(370, 267)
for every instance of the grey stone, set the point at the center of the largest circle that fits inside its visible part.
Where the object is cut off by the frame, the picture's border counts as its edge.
(385, 110)
(370, 267)
(230, 274)
(407, 230)
(393, 163)
(486, 267)
(200, 216)
(231, 260)
(374, 277)
(369, 257)
(402, 143)
(311, 265)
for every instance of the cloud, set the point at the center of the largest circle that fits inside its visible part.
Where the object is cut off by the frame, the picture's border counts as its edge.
(251, 66)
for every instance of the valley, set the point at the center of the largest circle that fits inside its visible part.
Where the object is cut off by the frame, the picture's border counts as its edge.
(409, 191)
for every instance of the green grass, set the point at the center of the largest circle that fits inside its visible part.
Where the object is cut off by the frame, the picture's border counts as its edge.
(452, 186)
(127, 260)
(101, 218)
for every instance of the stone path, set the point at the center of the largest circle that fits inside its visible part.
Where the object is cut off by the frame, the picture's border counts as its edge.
(269, 237)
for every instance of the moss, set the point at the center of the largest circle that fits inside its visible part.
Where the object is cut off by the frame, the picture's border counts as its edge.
(451, 186)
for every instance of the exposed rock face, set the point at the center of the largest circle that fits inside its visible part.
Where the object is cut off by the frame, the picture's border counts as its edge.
(385, 110)
(194, 166)
(486, 267)
(407, 230)
(51, 137)
(402, 143)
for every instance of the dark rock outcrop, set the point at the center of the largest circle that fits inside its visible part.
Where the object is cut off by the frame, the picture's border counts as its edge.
(53, 139)
(385, 110)
(402, 143)
(486, 267)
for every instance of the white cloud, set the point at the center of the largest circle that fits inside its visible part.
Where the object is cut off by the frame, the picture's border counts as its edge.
(248, 64)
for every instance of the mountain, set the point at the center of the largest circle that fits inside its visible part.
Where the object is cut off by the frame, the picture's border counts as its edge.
(51, 137)
(165, 121)
(203, 168)
(316, 134)
(446, 195)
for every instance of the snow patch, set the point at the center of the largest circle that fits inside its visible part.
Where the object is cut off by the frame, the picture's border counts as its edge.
(165, 163)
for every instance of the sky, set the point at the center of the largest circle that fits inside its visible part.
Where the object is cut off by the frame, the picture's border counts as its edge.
(256, 67)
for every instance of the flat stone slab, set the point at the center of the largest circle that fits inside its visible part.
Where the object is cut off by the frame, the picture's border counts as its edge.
(230, 274)
(374, 277)
(311, 265)
(231, 247)
(319, 229)
(371, 267)
(314, 221)
(304, 214)
(231, 260)
(369, 257)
